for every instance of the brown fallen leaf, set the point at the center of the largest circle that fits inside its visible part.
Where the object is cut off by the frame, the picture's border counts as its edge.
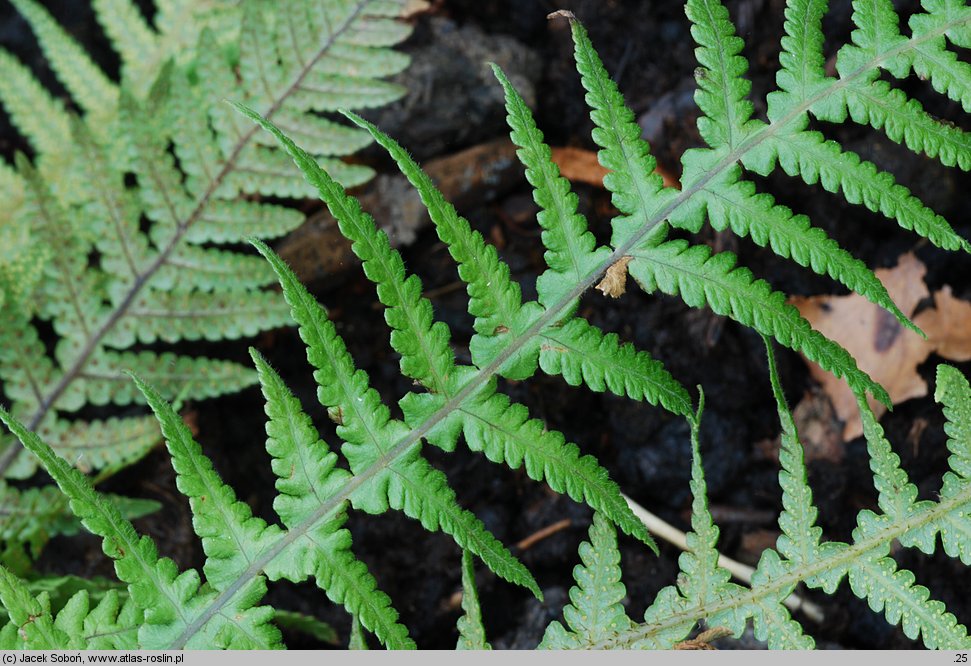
(882, 347)
(614, 283)
(579, 165)
(948, 325)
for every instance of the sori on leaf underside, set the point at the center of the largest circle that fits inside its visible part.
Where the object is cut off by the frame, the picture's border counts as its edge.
(166, 608)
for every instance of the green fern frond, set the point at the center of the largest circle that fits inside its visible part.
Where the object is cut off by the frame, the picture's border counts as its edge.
(471, 632)
(34, 516)
(501, 430)
(704, 592)
(954, 393)
(174, 603)
(595, 611)
(200, 175)
(128, 264)
(571, 250)
(84, 80)
(702, 278)
(722, 89)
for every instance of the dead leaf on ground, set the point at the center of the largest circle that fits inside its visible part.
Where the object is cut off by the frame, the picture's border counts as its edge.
(882, 347)
(579, 165)
(948, 325)
(614, 283)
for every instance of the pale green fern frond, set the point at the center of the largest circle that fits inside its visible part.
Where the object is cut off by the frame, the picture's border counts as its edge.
(595, 609)
(705, 593)
(114, 266)
(471, 632)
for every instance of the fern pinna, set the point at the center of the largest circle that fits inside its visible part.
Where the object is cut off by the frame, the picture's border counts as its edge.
(595, 619)
(112, 234)
(513, 339)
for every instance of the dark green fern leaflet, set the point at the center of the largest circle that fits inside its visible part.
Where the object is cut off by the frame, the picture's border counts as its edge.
(123, 265)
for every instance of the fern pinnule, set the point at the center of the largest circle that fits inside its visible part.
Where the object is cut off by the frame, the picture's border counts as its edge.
(472, 634)
(595, 611)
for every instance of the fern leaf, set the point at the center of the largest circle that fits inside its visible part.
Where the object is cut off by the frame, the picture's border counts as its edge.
(595, 612)
(112, 210)
(235, 541)
(954, 393)
(211, 270)
(36, 626)
(231, 537)
(504, 432)
(110, 625)
(24, 366)
(771, 619)
(584, 354)
(42, 120)
(92, 445)
(33, 516)
(74, 300)
(737, 205)
(494, 299)
(722, 87)
(358, 639)
(234, 221)
(702, 278)
(123, 255)
(471, 632)
(105, 380)
(903, 120)
(378, 447)
(305, 624)
(893, 591)
(87, 84)
(814, 159)
(133, 39)
(174, 606)
(188, 315)
(425, 353)
(307, 477)
(802, 61)
(637, 191)
(930, 59)
(703, 581)
(269, 172)
(800, 538)
(896, 495)
(571, 251)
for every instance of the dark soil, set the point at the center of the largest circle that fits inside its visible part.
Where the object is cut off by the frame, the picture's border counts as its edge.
(648, 48)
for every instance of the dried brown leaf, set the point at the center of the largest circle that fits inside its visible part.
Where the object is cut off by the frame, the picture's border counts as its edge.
(948, 325)
(580, 165)
(614, 283)
(883, 348)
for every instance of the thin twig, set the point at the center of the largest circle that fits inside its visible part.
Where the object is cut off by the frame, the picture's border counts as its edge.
(544, 533)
